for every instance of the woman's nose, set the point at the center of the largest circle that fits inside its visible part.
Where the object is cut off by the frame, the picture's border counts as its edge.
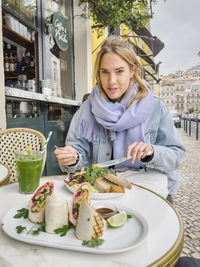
(112, 78)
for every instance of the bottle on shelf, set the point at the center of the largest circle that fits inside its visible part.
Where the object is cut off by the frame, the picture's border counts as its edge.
(32, 62)
(27, 59)
(12, 63)
(6, 62)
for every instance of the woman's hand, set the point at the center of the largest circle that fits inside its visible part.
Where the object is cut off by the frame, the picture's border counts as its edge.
(66, 155)
(138, 150)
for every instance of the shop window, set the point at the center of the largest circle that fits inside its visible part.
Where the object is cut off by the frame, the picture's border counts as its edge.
(59, 64)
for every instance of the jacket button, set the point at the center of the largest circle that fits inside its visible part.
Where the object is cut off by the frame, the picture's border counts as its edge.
(107, 154)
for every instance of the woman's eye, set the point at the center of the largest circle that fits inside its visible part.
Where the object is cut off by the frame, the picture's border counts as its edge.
(120, 71)
(104, 72)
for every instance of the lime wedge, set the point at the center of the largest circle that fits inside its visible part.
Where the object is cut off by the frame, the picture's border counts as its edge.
(117, 220)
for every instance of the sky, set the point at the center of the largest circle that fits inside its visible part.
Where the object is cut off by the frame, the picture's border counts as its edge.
(177, 24)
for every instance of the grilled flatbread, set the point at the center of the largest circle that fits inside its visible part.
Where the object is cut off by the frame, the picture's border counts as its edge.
(56, 214)
(90, 224)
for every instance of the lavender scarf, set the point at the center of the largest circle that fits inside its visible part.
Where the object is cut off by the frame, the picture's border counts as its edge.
(102, 120)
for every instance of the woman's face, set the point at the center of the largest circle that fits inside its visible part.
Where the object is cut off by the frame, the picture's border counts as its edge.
(115, 75)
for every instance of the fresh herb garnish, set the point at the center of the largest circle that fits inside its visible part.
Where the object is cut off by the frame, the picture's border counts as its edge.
(95, 242)
(63, 231)
(40, 229)
(20, 229)
(93, 173)
(32, 231)
(21, 213)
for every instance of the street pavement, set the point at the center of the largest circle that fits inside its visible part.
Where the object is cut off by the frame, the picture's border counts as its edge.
(187, 199)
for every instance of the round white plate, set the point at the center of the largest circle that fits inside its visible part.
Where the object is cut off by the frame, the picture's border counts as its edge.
(100, 195)
(131, 234)
(3, 172)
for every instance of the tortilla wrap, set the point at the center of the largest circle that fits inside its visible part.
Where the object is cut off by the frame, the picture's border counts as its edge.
(90, 224)
(56, 214)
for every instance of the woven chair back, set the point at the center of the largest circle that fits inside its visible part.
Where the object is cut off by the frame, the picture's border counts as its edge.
(15, 139)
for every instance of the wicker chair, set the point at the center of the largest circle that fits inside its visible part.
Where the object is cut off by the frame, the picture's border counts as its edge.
(14, 139)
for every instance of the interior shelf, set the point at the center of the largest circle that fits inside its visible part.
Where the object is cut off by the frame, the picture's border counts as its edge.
(17, 38)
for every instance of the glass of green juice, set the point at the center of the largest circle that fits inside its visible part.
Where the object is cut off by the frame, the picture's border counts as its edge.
(29, 170)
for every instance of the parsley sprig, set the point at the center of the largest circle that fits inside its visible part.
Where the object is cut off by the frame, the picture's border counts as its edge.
(21, 213)
(63, 231)
(95, 242)
(32, 230)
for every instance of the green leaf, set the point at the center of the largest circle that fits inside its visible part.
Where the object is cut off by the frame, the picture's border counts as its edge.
(20, 229)
(21, 213)
(35, 232)
(112, 13)
(95, 242)
(93, 173)
(62, 231)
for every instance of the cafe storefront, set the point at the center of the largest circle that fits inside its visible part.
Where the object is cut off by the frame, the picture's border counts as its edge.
(44, 52)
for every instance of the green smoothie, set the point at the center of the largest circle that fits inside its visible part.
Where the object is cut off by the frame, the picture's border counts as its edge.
(29, 168)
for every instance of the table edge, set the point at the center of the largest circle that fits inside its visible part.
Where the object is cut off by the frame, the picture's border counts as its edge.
(172, 255)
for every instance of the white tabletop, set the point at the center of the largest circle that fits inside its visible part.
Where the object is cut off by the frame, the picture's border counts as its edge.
(162, 245)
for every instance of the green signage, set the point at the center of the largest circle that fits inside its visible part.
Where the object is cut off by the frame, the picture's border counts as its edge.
(60, 32)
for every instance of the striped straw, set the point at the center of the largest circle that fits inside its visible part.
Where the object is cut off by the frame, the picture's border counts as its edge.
(46, 143)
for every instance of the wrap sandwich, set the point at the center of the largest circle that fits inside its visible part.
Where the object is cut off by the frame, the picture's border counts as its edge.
(82, 193)
(56, 213)
(90, 223)
(37, 202)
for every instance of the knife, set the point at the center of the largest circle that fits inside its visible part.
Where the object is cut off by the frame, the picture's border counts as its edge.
(115, 161)
(111, 162)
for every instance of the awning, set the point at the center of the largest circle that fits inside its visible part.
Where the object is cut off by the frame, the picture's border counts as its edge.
(153, 42)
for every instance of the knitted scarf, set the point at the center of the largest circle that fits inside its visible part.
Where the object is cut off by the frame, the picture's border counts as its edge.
(102, 121)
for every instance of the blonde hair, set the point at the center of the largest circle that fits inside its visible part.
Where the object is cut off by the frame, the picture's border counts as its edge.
(125, 50)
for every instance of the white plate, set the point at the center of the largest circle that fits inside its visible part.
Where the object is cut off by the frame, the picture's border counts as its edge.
(99, 195)
(3, 172)
(131, 234)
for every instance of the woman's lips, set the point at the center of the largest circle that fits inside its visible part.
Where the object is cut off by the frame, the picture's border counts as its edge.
(112, 89)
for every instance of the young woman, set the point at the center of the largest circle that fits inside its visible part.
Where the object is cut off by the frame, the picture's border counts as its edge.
(121, 117)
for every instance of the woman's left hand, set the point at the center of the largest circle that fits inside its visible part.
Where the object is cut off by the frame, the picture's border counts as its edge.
(138, 150)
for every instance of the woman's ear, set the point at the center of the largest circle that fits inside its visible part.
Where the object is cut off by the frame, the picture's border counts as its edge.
(132, 69)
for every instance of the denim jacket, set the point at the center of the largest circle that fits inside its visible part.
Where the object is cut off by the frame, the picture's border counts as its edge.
(159, 131)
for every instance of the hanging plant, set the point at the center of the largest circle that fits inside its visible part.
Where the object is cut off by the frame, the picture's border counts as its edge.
(112, 13)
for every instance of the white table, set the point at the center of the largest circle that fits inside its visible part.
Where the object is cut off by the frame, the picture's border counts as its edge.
(162, 245)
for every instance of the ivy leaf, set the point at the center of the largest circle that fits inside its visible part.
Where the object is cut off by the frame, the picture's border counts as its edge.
(95, 242)
(20, 229)
(21, 213)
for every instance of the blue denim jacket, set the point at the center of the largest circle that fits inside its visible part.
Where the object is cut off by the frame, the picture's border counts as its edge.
(159, 131)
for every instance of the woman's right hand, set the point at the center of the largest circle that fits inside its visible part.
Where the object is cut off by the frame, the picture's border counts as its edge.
(66, 155)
